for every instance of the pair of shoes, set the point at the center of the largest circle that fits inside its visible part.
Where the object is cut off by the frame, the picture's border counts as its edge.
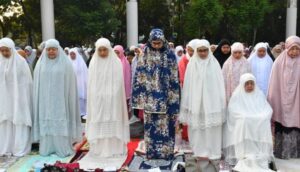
(134, 119)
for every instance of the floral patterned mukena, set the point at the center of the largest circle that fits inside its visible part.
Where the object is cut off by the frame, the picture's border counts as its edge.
(156, 90)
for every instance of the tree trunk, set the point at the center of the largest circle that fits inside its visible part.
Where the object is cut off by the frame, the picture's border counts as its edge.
(254, 36)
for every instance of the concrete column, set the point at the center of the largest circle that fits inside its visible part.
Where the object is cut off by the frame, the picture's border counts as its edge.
(47, 16)
(132, 22)
(291, 18)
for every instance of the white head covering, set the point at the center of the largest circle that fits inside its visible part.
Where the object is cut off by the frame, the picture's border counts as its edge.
(261, 67)
(32, 55)
(55, 97)
(177, 49)
(81, 72)
(106, 103)
(203, 96)
(237, 46)
(249, 115)
(15, 87)
(192, 44)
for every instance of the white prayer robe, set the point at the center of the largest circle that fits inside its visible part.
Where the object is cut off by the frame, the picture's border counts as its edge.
(107, 126)
(247, 132)
(203, 104)
(15, 103)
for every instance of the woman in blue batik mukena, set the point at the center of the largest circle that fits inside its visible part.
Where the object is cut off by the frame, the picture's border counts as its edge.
(156, 91)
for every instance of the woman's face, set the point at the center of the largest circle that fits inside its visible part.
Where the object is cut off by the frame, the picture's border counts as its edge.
(179, 53)
(52, 52)
(137, 51)
(249, 86)
(202, 52)
(278, 50)
(157, 44)
(212, 48)
(129, 58)
(118, 53)
(261, 52)
(190, 51)
(294, 52)
(73, 55)
(102, 52)
(225, 49)
(5, 51)
(237, 54)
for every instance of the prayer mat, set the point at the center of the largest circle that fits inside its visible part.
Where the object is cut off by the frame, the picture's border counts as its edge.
(141, 164)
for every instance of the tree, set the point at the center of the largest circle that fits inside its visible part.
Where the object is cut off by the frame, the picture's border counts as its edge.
(154, 14)
(81, 21)
(246, 17)
(202, 18)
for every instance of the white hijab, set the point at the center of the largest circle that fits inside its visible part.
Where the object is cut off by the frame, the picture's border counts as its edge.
(15, 87)
(81, 71)
(248, 125)
(192, 44)
(106, 103)
(203, 95)
(261, 67)
(177, 49)
(32, 55)
(55, 96)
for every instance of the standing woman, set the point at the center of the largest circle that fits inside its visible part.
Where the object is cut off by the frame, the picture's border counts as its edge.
(179, 53)
(81, 72)
(234, 67)
(55, 100)
(126, 70)
(222, 52)
(156, 91)
(15, 101)
(107, 126)
(203, 105)
(182, 64)
(261, 66)
(284, 97)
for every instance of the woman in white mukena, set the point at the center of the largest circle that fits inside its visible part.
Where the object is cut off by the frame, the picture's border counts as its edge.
(107, 126)
(247, 134)
(15, 101)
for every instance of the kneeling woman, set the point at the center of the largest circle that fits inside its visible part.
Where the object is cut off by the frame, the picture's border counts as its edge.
(107, 129)
(247, 137)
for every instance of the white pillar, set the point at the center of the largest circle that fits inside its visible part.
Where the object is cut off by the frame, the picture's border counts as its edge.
(132, 22)
(291, 18)
(47, 16)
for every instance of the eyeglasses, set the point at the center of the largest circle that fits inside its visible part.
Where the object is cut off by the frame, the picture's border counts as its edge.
(156, 43)
(202, 50)
(237, 52)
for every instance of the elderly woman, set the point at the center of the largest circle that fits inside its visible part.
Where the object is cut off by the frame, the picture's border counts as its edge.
(234, 67)
(203, 106)
(15, 101)
(284, 97)
(55, 100)
(156, 91)
(249, 113)
(107, 127)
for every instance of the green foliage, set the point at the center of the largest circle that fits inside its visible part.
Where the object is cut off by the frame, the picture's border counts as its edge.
(202, 17)
(245, 16)
(154, 14)
(84, 21)
(81, 21)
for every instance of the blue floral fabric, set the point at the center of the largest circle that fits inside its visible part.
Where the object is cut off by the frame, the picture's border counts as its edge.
(156, 90)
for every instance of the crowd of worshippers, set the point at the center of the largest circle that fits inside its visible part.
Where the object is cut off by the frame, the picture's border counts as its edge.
(226, 100)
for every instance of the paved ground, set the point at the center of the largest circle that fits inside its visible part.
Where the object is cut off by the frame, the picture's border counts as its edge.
(292, 165)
